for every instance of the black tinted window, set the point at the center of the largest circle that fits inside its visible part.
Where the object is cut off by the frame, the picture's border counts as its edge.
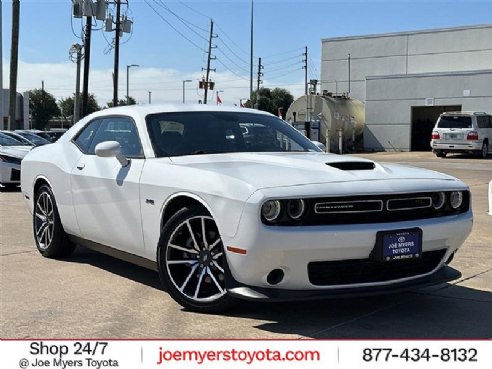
(189, 133)
(84, 138)
(484, 122)
(119, 129)
(454, 122)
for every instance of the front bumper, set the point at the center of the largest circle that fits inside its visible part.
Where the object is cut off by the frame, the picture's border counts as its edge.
(235, 289)
(10, 173)
(292, 249)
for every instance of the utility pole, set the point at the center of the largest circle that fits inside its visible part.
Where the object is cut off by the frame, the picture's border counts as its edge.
(210, 47)
(251, 58)
(258, 83)
(87, 62)
(305, 67)
(14, 59)
(76, 53)
(116, 53)
(348, 74)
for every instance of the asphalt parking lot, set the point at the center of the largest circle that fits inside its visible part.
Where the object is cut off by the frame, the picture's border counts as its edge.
(92, 295)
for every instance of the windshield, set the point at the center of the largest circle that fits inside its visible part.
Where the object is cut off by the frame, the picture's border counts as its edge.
(191, 133)
(456, 121)
(34, 138)
(8, 141)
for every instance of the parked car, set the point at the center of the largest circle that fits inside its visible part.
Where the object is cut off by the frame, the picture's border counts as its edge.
(11, 154)
(55, 134)
(32, 137)
(178, 189)
(462, 132)
(23, 141)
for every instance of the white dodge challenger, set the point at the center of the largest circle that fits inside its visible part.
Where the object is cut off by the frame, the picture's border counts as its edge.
(229, 203)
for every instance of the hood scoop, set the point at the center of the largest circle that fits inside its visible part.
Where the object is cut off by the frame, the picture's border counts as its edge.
(353, 165)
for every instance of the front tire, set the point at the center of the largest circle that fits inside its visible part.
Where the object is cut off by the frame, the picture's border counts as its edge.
(192, 263)
(51, 239)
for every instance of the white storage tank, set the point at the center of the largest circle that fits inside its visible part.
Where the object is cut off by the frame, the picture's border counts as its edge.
(334, 115)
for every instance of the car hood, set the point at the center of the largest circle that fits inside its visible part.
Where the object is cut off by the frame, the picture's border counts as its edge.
(16, 151)
(267, 170)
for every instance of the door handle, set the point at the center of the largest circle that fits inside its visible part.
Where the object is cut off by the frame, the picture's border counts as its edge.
(80, 166)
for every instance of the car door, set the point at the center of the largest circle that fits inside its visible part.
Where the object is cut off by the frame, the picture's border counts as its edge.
(106, 194)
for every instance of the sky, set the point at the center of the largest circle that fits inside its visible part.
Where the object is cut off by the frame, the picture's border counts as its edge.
(170, 39)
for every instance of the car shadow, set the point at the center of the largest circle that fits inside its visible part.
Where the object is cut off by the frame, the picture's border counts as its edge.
(438, 312)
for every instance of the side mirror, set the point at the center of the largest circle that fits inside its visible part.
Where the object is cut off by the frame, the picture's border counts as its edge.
(110, 149)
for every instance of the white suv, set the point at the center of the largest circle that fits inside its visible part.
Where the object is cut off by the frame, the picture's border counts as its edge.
(462, 132)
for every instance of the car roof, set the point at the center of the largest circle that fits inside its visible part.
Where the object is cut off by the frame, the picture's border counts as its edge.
(464, 113)
(144, 110)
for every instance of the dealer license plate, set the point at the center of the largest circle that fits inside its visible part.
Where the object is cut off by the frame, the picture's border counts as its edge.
(400, 245)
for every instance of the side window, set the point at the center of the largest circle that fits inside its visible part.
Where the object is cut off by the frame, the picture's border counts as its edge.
(482, 121)
(85, 136)
(168, 137)
(122, 130)
(490, 122)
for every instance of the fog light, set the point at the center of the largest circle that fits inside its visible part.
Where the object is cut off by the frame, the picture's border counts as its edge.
(275, 276)
(295, 208)
(438, 200)
(271, 210)
(456, 199)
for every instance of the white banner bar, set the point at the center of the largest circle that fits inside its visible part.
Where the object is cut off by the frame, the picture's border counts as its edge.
(241, 354)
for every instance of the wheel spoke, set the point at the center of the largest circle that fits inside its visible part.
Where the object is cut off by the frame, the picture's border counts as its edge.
(217, 255)
(184, 249)
(41, 229)
(40, 217)
(45, 232)
(195, 244)
(209, 272)
(176, 262)
(204, 235)
(199, 283)
(40, 208)
(218, 266)
(215, 243)
(188, 277)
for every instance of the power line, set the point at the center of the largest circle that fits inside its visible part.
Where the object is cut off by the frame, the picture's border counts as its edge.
(185, 22)
(174, 28)
(232, 61)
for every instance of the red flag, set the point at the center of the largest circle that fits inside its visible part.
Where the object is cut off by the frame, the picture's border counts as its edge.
(219, 101)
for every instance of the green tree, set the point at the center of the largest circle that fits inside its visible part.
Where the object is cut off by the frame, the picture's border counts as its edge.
(122, 102)
(271, 100)
(67, 105)
(42, 106)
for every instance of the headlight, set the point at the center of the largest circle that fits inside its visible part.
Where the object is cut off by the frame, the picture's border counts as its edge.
(438, 200)
(295, 208)
(271, 210)
(456, 199)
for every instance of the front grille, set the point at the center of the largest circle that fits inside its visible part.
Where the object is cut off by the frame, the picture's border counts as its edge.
(328, 273)
(339, 207)
(15, 175)
(373, 209)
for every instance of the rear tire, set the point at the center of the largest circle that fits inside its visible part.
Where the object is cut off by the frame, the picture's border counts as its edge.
(440, 154)
(51, 239)
(192, 262)
(485, 150)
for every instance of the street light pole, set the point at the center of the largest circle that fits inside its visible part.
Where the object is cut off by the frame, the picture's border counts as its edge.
(127, 82)
(184, 81)
(150, 97)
